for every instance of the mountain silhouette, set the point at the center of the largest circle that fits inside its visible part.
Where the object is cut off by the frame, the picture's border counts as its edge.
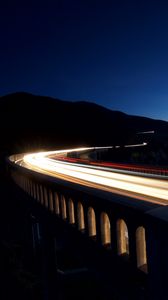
(29, 122)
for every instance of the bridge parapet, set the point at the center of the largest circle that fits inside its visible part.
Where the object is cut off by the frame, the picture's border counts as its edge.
(131, 230)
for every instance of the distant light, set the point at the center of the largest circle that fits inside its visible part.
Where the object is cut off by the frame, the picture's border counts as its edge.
(106, 147)
(136, 145)
(145, 132)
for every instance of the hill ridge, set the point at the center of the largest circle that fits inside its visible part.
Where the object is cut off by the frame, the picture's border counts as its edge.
(30, 121)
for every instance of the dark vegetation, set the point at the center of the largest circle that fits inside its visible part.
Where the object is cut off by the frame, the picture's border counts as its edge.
(29, 122)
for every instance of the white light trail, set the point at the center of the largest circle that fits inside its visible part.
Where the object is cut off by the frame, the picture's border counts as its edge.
(155, 188)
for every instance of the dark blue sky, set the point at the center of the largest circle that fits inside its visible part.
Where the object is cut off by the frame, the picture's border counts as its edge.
(114, 53)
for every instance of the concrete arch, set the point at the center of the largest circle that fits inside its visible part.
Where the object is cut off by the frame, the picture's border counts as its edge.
(37, 192)
(26, 189)
(51, 205)
(71, 211)
(45, 197)
(63, 207)
(30, 187)
(41, 194)
(80, 216)
(105, 229)
(21, 181)
(24, 183)
(122, 237)
(141, 249)
(24, 180)
(34, 190)
(91, 222)
(56, 203)
(18, 180)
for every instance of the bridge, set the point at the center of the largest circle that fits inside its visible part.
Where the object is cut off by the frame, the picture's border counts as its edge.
(119, 214)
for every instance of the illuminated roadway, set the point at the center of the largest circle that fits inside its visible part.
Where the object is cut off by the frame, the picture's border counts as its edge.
(152, 188)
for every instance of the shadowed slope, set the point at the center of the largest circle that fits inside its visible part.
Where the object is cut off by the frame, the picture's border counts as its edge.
(34, 122)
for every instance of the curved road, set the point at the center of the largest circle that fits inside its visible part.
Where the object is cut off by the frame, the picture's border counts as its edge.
(148, 187)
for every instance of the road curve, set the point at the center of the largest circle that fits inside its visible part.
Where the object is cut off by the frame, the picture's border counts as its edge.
(123, 182)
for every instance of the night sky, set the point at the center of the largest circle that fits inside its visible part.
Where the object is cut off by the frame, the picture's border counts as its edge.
(114, 53)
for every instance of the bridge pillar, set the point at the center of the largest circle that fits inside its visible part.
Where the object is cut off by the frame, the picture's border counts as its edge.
(157, 252)
(44, 249)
